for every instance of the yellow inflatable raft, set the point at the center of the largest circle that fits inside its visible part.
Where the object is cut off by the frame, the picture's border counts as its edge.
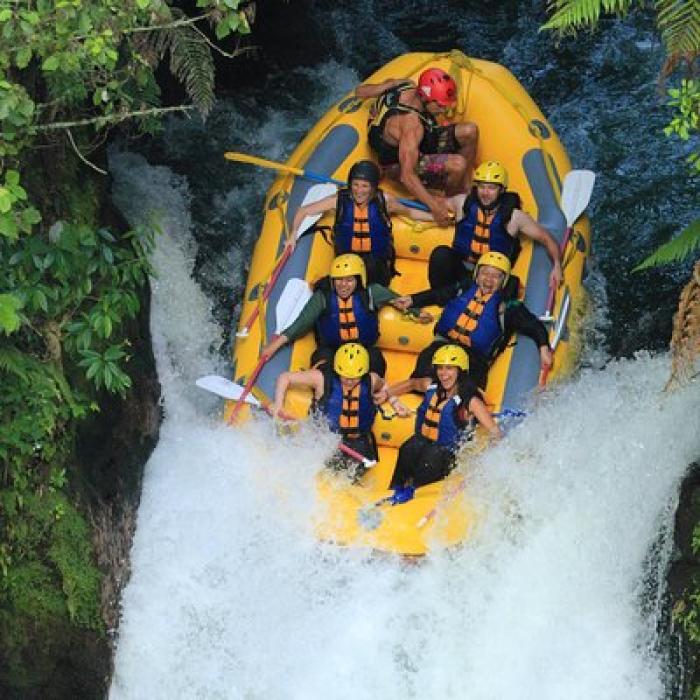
(513, 131)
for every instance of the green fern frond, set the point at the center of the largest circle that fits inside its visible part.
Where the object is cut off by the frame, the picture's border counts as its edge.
(13, 361)
(679, 24)
(190, 60)
(56, 373)
(569, 16)
(192, 64)
(680, 248)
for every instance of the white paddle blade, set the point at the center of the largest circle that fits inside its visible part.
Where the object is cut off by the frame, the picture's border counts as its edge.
(224, 388)
(561, 319)
(576, 194)
(315, 194)
(292, 300)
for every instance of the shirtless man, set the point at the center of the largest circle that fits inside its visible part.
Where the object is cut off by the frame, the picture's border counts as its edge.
(410, 144)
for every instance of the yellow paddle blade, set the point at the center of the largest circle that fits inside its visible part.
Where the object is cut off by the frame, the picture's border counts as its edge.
(262, 162)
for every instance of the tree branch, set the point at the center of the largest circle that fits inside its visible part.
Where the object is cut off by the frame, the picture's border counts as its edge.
(113, 118)
(169, 25)
(81, 156)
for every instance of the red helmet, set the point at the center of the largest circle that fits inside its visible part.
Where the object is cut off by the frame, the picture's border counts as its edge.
(436, 85)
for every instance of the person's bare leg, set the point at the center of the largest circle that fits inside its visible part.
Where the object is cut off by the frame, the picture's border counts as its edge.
(467, 135)
(455, 172)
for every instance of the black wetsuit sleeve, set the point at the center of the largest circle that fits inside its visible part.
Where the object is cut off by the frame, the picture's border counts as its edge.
(519, 319)
(439, 297)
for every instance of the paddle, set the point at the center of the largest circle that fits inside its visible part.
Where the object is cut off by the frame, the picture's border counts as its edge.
(451, 493)
(315, 194)
(370, 517)
(575, 196)
(292, 300)
(308, 174)
(225, 388)
(557, 332)
(230, 390)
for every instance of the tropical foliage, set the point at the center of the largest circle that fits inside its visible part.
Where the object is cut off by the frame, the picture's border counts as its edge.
(678, 22)
(69, 285)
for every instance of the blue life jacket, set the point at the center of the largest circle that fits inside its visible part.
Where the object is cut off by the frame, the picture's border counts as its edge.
(450, 429)
(329, 324)
(381, 242)
(471, 242)
(486, 336)
(360, 416)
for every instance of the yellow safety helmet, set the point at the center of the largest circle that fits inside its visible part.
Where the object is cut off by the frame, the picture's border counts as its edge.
(347, 265)
(492, 171)
(497, 260)
(351, 361)
(451, 355)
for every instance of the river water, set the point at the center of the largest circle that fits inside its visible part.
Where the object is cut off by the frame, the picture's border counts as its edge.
(557, 595)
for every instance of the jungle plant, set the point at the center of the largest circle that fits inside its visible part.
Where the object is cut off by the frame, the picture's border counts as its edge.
(678, 22)
(69, 285)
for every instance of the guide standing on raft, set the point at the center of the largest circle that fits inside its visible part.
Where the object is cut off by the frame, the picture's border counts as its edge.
(413, 147)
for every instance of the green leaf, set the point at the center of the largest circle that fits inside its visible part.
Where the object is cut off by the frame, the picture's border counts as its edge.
(39, 299)
(5, 14)
(106, 234)
(6, 200)
(233, 21)
(680, 248)
(93, 368)
(22, 57)
(50, 64)
(143, 4)
(9, 318)
(222, 30)
(114, 353)
(8, 226)
(31, 216)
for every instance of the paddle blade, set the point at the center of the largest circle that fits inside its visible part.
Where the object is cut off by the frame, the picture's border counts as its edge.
(292, 300)
(576, 194)
(315, 194)
(224, 388)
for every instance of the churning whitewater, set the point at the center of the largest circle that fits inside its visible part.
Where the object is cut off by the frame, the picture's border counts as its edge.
(231, 596)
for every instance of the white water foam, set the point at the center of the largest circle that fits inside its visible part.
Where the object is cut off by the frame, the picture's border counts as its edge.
(232, 597)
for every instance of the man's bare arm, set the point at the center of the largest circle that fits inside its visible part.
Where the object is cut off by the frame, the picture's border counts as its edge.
(410, 134)
(525, 224)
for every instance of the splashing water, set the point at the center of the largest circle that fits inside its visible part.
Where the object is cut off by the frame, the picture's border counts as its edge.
(232, 597)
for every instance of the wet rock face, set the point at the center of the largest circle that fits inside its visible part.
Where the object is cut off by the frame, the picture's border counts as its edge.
(64, 662)
(114, 445)
(684, 578)
(112, 450)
